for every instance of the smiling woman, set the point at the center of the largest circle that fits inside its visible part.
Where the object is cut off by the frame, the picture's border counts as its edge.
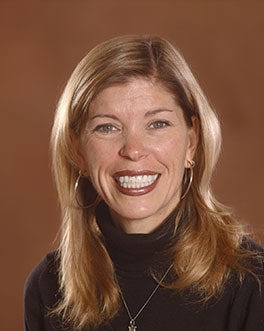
(135, 143)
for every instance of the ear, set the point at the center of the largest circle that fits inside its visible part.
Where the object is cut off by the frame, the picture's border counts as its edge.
(78, 155)
(193, 140)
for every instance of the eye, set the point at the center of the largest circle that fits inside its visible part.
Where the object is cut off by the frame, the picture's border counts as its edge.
(106, 128)
(160, 124)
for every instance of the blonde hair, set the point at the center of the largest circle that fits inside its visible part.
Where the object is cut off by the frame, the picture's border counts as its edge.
(207, 248)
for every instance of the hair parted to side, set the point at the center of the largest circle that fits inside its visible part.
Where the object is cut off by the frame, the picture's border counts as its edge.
(209, 230)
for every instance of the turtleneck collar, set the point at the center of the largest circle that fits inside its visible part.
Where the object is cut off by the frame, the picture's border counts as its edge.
(135, 252)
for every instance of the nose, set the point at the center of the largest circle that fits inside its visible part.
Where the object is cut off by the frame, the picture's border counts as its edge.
(133, 148)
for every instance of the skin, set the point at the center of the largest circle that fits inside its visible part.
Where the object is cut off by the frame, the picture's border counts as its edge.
(135, 129)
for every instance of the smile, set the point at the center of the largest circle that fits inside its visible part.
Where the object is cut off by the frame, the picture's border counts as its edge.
(136, 182)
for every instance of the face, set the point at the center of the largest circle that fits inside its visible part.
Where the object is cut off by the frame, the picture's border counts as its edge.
(134, 148)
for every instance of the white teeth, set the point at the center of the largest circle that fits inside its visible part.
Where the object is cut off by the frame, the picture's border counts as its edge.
(136, 181)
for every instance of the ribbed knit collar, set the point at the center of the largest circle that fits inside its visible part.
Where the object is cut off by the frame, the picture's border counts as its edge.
(135, 252)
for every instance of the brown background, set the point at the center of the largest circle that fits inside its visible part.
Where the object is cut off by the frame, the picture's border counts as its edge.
(41, 42)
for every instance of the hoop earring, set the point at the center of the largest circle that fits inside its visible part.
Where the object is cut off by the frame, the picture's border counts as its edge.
(190, 169)
(76, 187)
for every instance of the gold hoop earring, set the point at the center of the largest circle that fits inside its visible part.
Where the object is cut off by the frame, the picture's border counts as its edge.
(76, 188)
(76, 185)
(186, 179)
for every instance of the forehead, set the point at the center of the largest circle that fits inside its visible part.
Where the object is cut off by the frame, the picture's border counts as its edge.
(137, 93)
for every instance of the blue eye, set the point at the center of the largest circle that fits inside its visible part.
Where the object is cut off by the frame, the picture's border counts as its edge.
(159, 124)
(106, 128)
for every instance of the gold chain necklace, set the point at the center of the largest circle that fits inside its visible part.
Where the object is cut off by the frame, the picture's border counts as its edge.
(132, 323)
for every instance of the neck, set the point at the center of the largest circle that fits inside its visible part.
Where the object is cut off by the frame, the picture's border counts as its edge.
(136, 251)
(137, 226)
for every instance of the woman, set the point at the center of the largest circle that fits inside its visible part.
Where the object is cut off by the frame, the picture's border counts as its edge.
(144, 243)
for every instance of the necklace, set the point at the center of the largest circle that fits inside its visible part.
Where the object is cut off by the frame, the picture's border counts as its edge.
(132, 323)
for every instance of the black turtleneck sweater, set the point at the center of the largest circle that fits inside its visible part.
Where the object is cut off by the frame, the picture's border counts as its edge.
(136, 256)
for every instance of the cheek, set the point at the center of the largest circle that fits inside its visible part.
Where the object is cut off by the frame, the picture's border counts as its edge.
(173, 151)
(97, 159)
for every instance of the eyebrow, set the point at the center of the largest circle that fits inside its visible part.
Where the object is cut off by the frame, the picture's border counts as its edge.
(148, 113)
(103, 116)
(157, 111)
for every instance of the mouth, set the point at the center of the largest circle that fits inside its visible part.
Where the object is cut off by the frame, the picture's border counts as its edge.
(136, 184)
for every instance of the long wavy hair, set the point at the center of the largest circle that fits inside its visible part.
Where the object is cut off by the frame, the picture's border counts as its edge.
(208, 245)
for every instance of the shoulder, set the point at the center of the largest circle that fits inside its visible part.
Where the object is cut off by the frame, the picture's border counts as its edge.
(248, 279)
(255, 257)
(243, 294)
(251, 284)
(252, 245)
(44, 274)
(41, 288)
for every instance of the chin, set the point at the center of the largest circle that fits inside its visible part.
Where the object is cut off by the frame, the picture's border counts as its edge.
(138, 215)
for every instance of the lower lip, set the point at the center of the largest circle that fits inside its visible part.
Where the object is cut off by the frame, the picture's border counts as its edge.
(137, 191)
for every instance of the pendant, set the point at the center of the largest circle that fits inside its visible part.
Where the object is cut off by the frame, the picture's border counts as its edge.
(132, 326)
